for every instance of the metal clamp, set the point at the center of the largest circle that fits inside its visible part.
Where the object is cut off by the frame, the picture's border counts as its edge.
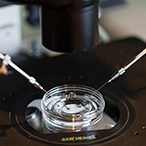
(6, 59)
(121, 71)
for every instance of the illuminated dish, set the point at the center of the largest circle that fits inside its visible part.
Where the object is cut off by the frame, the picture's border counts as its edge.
(71, 108)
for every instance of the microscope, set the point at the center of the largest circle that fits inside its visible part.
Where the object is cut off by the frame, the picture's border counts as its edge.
(65, 27)
(71, 26)
(68, 26)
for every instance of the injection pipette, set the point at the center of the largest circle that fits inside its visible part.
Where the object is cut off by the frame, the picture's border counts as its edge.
(7, 61)
(123, 69)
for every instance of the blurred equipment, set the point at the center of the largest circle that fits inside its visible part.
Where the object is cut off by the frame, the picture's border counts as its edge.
(104, 4)
(10, 28)
(126, 20)
(33, 17)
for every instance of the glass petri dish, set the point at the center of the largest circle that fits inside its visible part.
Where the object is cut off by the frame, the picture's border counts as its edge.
(70, 108)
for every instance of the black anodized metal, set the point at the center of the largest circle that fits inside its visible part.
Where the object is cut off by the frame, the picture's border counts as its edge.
(91, 69)
(125, 119)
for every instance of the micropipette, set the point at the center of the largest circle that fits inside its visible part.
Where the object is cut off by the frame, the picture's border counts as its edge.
(123, 69)
(7, 61)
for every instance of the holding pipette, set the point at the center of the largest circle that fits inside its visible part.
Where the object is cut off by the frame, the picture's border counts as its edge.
(7, 61)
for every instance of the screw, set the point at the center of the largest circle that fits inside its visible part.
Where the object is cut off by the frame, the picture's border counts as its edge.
(136, 133)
